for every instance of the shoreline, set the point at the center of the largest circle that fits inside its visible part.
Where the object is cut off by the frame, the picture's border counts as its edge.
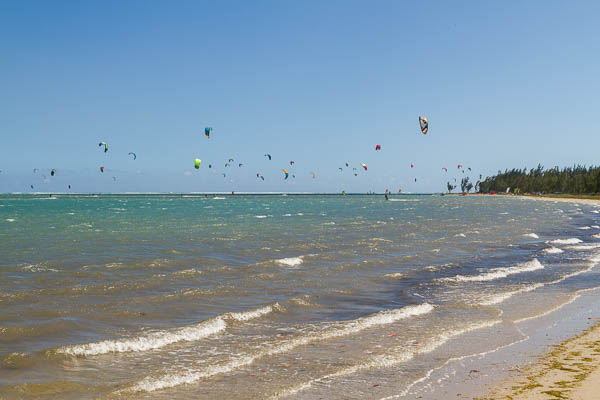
(581, 200)
(497, 374)
(570, 370)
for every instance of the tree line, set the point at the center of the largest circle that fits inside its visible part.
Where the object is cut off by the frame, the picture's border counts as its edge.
(573, 180)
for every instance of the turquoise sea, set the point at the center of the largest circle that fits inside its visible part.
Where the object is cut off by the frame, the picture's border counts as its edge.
(273, 296)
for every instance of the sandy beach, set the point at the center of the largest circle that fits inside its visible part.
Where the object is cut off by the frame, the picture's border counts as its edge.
(569, 371)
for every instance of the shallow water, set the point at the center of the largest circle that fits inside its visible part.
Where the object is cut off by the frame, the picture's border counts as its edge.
(159, 296)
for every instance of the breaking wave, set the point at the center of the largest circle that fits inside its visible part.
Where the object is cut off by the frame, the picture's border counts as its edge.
(156, 340)
(151, 384)
(291, 261)
(566, 241)
(498, 273)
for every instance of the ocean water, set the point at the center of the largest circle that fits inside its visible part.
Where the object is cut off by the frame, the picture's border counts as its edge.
(269, 296)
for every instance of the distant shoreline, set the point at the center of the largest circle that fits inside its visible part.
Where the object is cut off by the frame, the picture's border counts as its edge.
(203, 194)
(586, 199)
(572, 198)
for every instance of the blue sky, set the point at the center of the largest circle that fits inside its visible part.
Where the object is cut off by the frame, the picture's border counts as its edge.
(504, 84)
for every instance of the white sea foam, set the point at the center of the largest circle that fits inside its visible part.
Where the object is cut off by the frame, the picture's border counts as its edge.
(587, 246)
(531, 235)
(150, 384)
(396, 275)
(287, 215)
(38, 268)
(291, 261)
(566, 241)
(596, 236)
(460, 235)
(302, 301)
(553, 250)
(251, 314)
(595, 227)
(498, 273)
(585, 228)
(261, 216)
(151, 341)
(10, 220)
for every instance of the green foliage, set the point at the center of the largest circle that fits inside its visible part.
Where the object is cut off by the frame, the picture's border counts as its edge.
(465, 185)
(574, 180)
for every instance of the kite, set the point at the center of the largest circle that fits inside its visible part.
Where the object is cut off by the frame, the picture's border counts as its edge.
(197, 162)
(132, 154)
(364, 166)
(101, 169)
(378, 147)
(424, 125)
(445, 169)
(287, 174)
(52, 172)
(207, 131)
(105, 146)
(268, 155)
(292, 162)
(412, 165)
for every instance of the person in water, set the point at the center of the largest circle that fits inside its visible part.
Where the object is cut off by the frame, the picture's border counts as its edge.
(386, 196)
